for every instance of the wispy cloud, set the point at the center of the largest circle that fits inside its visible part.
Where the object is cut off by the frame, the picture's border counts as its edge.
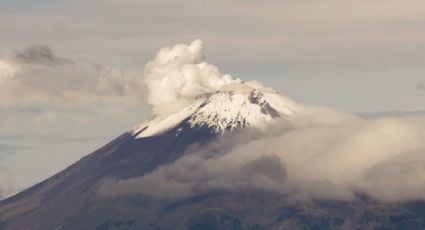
(38, 74)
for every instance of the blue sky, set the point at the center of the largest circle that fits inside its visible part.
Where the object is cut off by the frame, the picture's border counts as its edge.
(357, 56)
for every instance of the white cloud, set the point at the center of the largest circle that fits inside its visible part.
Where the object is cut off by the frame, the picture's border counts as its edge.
(299, 46)
(48, 95)
(179, 74)
(318, 154)
(37, 74)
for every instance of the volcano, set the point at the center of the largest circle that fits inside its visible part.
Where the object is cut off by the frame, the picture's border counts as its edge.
(133, 182)
(71, 198)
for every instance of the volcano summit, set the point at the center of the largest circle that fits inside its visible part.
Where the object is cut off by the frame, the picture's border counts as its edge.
(222, 153)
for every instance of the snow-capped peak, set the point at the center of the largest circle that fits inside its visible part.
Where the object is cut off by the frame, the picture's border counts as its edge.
(224, 111)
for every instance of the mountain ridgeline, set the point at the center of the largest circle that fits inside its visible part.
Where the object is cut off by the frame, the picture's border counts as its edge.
(71, 198)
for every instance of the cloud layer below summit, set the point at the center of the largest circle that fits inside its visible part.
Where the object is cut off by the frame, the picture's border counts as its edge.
(318, 153)
(313, 156)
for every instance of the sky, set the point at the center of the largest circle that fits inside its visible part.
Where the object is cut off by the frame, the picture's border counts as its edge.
(79, 63)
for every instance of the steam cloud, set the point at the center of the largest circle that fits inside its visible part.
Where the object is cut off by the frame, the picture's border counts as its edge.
(178, 75)
(317, 154)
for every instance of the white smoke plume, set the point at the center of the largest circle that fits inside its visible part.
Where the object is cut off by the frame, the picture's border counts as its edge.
(179, 74)
(317, 154)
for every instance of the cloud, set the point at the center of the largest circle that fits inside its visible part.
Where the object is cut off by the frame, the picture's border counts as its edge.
(48, 100)
(318, 153)
(322, 154)
(305, 158)
(298, 46)
(38, 74)
(179, 74)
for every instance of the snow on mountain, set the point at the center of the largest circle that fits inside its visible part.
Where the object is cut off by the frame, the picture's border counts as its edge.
(224, 110)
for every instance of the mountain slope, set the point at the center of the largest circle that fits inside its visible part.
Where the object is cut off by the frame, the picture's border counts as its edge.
(71, 198)
(61, 198)
(224, 111)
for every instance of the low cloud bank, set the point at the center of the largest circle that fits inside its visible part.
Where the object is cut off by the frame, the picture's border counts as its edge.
(308, 157)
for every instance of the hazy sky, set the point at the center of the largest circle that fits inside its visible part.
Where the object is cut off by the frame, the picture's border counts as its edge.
(353, 55)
